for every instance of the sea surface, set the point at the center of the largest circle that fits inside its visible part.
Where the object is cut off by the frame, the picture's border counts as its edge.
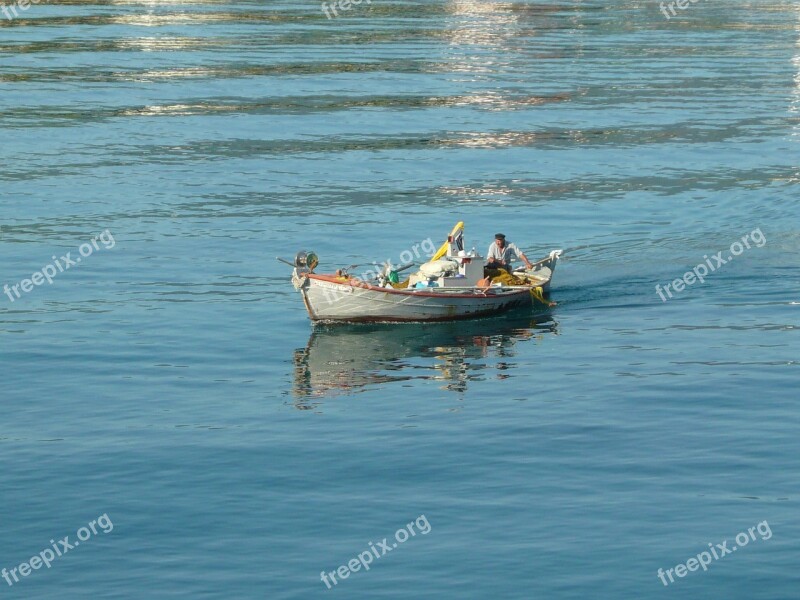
(171, 389)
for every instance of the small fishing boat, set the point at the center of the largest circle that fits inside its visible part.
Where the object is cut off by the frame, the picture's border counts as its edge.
(450, 286)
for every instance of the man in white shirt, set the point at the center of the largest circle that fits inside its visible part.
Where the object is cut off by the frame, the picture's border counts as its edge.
(501, 254)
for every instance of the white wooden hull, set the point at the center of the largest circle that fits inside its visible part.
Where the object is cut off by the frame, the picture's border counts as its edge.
(329, 301)
(328, 298)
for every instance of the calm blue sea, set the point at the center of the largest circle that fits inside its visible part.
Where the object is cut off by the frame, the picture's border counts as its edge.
(169, 388)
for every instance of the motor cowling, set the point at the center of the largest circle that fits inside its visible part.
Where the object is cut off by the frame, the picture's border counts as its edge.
(306, 260)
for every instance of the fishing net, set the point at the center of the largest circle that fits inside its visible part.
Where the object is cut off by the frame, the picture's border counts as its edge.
(504, 277)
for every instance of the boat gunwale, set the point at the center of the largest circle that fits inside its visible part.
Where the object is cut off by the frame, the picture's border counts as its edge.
(420, 292)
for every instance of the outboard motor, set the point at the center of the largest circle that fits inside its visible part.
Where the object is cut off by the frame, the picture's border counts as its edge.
(306, 261)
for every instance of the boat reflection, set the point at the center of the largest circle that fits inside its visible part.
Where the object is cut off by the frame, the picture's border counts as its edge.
(346, 359)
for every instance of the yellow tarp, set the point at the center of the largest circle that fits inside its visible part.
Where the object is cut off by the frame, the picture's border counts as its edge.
(443, 250)
(402, 285)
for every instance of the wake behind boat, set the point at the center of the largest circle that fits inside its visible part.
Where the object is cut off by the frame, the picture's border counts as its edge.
(450, 286)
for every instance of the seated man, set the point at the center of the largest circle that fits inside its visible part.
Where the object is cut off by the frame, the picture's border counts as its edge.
(501, 254)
